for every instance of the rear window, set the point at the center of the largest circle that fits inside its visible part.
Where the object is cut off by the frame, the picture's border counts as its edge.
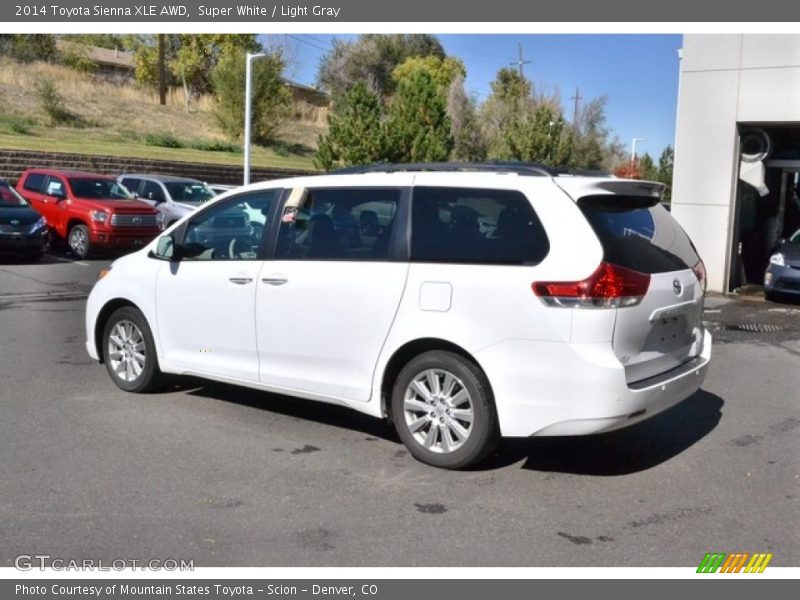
(478, 226)
(33, 182)
(638, 233)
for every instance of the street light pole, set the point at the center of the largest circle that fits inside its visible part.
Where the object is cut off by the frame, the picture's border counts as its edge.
(248, 109)
(633, 149)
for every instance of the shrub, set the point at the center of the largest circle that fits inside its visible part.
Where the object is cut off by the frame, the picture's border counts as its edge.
(215, 146)
(53, 104)
(164, 140)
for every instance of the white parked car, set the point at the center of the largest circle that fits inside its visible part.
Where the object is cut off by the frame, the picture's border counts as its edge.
(462, 302)
(174, 197)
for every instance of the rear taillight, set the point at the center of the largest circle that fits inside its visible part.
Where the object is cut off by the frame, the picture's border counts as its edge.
(610, 286)
(700, 272)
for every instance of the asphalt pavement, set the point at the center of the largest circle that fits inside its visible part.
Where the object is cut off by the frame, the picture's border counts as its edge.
(227, 476)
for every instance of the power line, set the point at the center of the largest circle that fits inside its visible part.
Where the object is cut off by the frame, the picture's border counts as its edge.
(306, 42)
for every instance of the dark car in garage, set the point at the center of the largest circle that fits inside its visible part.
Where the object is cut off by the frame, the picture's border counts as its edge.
(782, 278)
(23, 231)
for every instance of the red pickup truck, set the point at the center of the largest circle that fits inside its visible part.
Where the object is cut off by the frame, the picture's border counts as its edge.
(89, 211)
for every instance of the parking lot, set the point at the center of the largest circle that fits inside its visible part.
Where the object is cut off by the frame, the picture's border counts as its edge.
(233, 477)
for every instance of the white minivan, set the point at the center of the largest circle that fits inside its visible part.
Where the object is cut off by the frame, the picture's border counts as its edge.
(463, 302)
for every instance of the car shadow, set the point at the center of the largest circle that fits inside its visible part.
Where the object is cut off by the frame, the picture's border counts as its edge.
(631, 450)
(622, 452)
(309, 410)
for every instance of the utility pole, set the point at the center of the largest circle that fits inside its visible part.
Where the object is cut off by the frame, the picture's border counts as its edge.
(577, 98)
(162, 71)
(248, 110)
(520, 62)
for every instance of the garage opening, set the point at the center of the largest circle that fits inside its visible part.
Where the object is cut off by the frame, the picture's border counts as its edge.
(767, 198)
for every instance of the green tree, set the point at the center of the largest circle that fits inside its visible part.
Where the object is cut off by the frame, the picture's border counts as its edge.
(190, 58)
(505, 110)
(594, 148)
(356, 132)
(28, 48)
(469, 143)
(270, 98)
(536, 137)
(647, 167)
(665, 166)
(418, 128)
(372, 58)
(443, 71)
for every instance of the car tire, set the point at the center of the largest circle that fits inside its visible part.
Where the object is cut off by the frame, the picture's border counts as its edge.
(78, 241)
(443, 410)
(130, 352)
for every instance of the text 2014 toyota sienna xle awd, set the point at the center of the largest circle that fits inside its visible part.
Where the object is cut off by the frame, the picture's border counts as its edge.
(463, 302)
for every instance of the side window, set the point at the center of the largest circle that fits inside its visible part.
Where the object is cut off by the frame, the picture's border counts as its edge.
(462, 225)
(231, 230)
(131, 184)
(152, 191)
(55, 187)
(338, 224)
(34, 182)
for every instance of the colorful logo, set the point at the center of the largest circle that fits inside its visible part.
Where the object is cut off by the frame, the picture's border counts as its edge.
(734, 563)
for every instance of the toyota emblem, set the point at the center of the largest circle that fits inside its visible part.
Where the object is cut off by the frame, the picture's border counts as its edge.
(137, 220)
(14, 222)
(677, 287)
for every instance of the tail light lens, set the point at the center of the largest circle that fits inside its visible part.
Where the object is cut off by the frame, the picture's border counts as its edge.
(700, 272)
(610, 286)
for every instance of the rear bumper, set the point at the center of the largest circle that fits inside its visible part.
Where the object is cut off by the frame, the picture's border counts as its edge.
(579, 389)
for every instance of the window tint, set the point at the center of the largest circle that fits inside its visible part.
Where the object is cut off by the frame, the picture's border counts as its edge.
(193, 192)
(152, 191)
(339, 224)
(475, 226)
(34, 182)
(131, 184)
(98, 189)
(638, 233)
(232, 230)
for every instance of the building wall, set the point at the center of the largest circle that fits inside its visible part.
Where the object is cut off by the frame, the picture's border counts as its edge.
(725, 80)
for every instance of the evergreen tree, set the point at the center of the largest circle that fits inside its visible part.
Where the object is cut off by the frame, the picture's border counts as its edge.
(418, 129)
(270, 98)
(356, 133)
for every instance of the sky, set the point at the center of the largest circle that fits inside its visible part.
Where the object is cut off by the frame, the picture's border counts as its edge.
(637, 73)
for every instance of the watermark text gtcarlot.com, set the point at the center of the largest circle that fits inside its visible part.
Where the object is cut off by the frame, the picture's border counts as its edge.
(42, 562)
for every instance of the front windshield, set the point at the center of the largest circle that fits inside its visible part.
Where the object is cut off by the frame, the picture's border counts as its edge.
(98, 189)
(9, 197)
(795, 239)
(193, 192)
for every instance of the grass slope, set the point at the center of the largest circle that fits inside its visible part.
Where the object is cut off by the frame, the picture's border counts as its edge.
(116, 120)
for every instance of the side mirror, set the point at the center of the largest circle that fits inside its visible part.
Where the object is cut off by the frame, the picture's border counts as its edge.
(166, 249)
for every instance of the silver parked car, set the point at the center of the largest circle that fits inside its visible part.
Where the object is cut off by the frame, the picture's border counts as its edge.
(172, 196)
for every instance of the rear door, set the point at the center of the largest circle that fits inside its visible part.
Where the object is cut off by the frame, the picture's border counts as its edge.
(325, 305)
(665, 329)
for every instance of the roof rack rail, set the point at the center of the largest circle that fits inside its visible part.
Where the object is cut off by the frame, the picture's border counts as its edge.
(521, 168)
(495, 166)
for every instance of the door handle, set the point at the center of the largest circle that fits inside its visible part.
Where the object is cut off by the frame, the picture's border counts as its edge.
(240, 280)
(274, 280)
